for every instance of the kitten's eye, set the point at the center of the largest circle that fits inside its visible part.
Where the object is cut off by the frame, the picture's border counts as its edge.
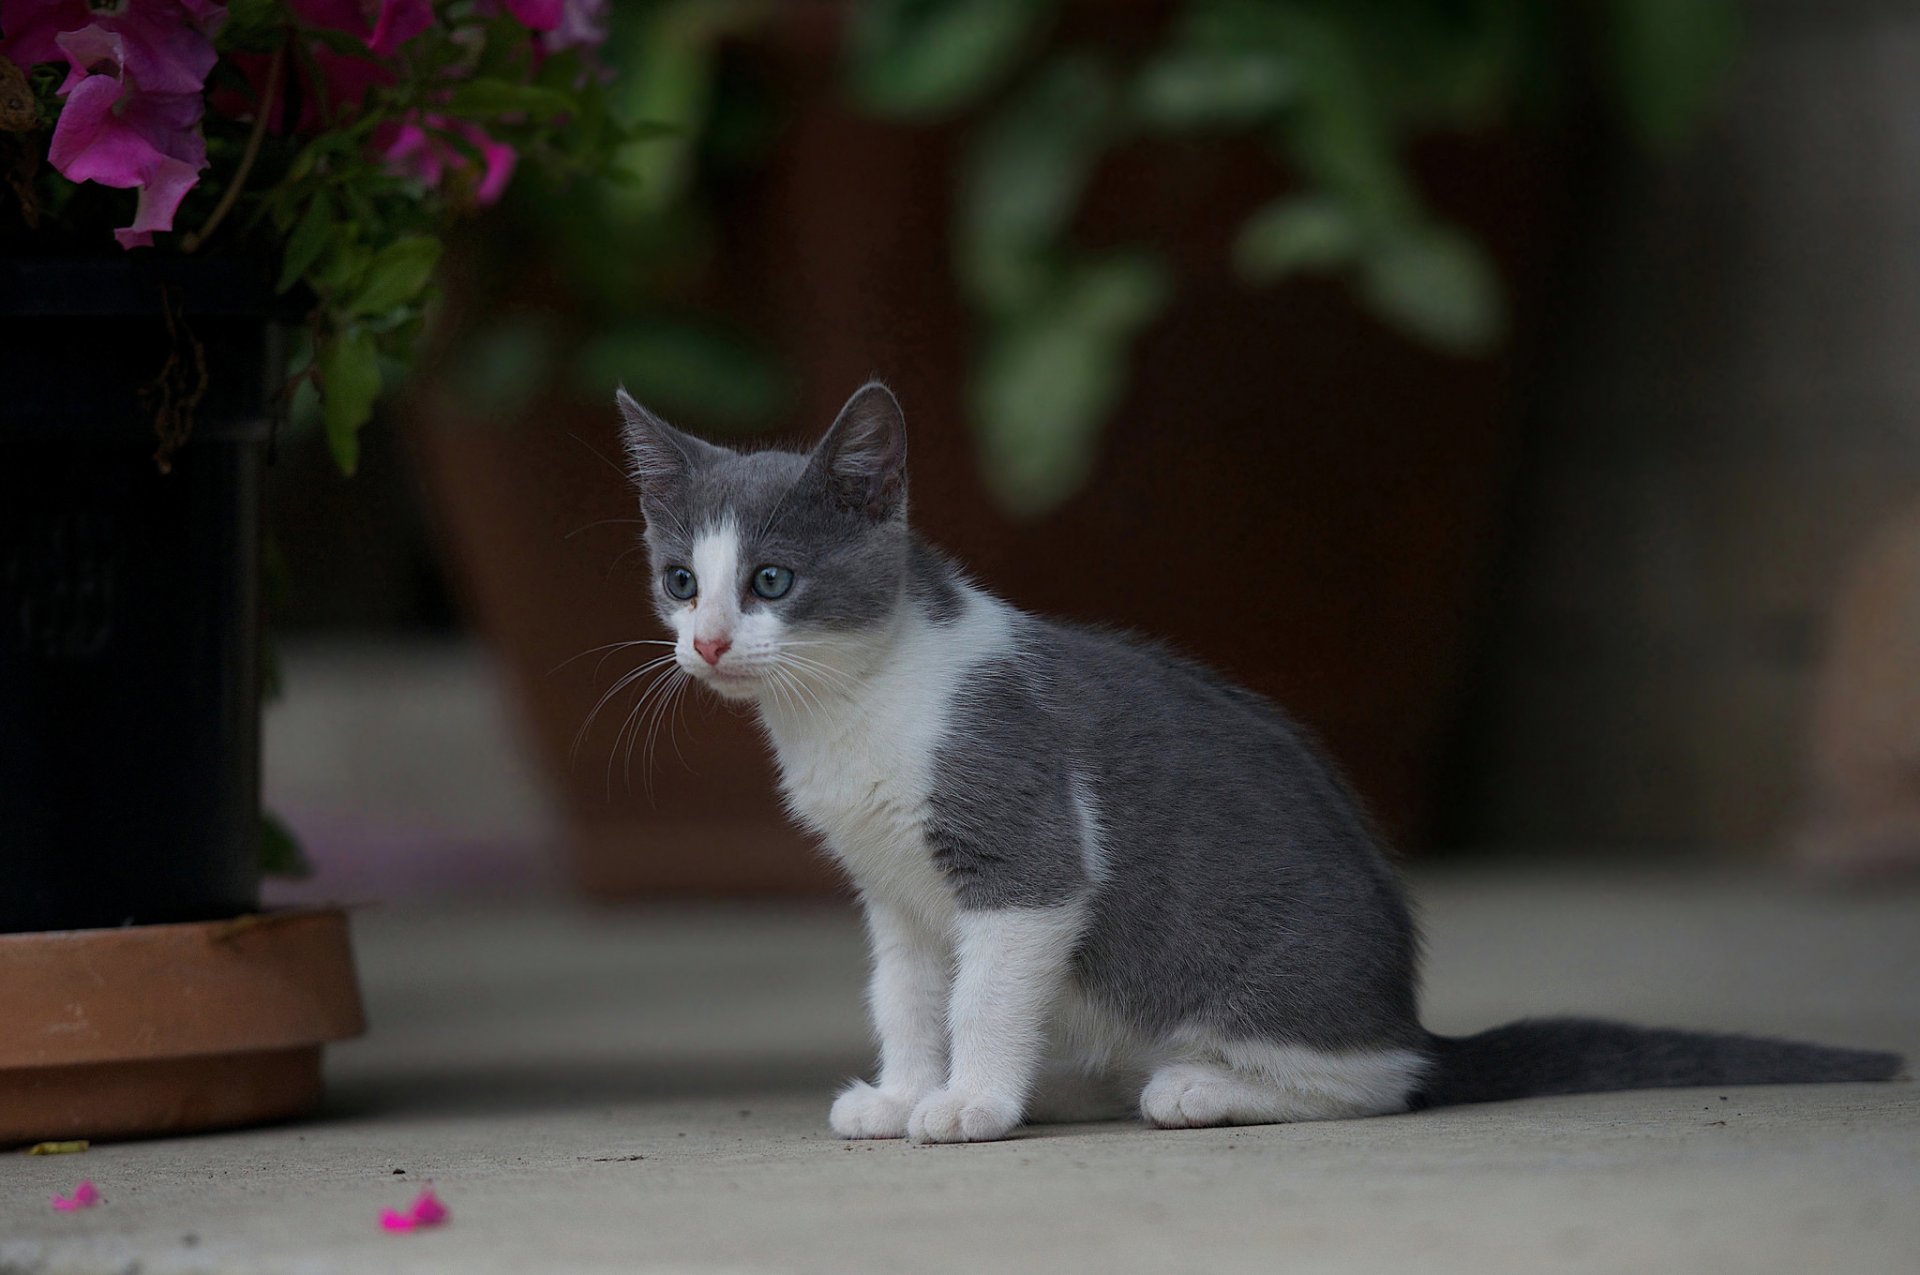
(679, 583)
(772, 582)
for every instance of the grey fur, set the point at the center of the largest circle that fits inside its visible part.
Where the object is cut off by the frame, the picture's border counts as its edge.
(1241, 891)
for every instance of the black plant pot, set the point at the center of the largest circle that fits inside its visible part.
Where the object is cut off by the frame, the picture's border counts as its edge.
(130, 659)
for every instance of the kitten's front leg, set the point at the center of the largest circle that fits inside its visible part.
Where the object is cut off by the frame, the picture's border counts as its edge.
(1010, 964)
(907, 997)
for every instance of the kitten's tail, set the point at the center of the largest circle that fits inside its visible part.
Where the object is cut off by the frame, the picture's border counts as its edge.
(1538, 1056)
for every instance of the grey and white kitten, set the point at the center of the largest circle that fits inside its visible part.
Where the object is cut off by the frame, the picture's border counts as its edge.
(1093, 872)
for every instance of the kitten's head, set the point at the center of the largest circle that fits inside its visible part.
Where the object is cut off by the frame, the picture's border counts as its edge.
(770, 564)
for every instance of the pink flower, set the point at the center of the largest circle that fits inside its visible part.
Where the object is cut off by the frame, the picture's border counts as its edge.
(344, 81)
(582, 24)
(384, 25)
(154, 41)
(132, 115)
(31, 27)
(426, 1211)
(413, 150)
(84, 1197)
(537, 15)
(111, 133)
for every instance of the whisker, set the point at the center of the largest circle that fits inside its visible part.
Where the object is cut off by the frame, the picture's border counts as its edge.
(602, 523)
(573, 754)
(610, 646)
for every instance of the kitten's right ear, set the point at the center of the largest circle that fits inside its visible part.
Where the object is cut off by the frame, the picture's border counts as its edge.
(659, 457)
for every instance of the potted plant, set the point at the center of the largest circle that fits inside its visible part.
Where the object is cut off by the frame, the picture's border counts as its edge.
(209, 210)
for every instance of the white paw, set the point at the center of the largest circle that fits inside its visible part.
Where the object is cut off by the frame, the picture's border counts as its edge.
(861, 1111)
(1188, 1097)
(954, 1115)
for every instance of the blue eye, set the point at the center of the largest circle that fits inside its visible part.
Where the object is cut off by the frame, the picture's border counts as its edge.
(772, 582)
(679, 583)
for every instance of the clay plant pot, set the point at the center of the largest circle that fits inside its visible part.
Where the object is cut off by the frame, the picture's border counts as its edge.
(164, 1029)
(130, 680)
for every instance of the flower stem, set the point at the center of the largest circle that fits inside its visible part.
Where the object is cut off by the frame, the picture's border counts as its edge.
(268, 96)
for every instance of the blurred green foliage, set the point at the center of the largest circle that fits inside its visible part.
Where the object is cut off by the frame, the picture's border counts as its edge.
(1336, 88)
(579, 283)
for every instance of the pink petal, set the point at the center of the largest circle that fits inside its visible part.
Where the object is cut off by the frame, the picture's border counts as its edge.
(399, 21)
(395, 23)
(32, 28)
(347, 82)
(392, 1221)
(537, 15)
(90, 47)
(160, 198)
(428, 1210)
(84, 1197)
(583, 24)
(151, 141)
(335, 15)
(498, 159)
(409, 152)
(150, 40)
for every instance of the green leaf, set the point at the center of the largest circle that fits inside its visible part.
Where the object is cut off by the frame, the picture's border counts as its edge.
(1438, 285)
(922, 58)
(1670, 57)
(307, 242)
(280, 854)
(1311, 232)
(349, 383)
(486, 97)
(1025, 175)
(396, 274)
(1050, 377)
(1201, 88)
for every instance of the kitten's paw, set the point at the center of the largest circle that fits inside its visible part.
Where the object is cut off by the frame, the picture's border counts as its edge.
(954, 1115)
(861, 1111)
(1188, 1096)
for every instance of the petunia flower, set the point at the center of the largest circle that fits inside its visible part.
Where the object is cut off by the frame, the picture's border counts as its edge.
(384, 25)
(332, 93)
(29, 28)
(582, 25)
(412, 149)
(537, 15)
(111, 133)
(153, 42)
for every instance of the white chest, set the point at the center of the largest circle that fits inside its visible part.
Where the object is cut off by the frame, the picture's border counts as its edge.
(859, 770)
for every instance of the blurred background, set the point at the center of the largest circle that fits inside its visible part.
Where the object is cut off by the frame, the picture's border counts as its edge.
(1524, 395)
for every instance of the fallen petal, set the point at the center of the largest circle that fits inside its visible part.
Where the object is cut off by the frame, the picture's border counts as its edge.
(428, 1210)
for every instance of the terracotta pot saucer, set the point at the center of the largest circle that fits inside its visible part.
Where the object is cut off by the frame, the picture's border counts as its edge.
(159, 1029)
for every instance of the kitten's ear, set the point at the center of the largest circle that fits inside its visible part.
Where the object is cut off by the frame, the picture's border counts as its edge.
(659, 457)
(863, 457)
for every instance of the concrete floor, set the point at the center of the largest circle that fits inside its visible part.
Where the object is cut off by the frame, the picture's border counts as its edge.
(646, 1092)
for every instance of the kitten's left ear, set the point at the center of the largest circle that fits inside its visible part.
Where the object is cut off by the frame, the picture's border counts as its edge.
(864, 454)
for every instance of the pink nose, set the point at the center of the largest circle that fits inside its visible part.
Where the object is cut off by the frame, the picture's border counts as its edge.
(711, 649)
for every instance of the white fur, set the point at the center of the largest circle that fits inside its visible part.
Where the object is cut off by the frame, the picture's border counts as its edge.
(907, 1000)
(714, 614)
(1009, 967)
(1259, 1083)
(858, 768)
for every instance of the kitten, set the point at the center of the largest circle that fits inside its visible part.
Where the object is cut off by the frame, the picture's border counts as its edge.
(1093, 872)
